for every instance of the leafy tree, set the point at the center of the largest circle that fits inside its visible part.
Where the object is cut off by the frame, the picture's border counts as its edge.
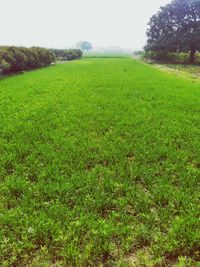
(176, 28)
(84, 45)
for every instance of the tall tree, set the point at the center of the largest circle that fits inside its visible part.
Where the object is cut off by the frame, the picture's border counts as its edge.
(84, 45)
(176, 28)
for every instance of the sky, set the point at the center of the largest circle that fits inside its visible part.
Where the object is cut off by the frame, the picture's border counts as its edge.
(62, 23)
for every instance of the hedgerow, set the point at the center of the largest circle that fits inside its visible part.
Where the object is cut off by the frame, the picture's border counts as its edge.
(14, 59)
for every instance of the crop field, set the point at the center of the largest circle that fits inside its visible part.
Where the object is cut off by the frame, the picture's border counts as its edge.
(99, 166)
(106, 54)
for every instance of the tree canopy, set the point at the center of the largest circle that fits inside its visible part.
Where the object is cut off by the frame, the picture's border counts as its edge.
(176, 28)
(84, 45)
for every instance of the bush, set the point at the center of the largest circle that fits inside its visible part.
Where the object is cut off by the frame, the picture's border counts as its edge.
(167, 57)
(14, 59)
(65, 55)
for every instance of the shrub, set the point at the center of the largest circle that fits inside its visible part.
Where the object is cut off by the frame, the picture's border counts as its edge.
(14, 59)
(4, 66)
(65, 55)
(167, 57)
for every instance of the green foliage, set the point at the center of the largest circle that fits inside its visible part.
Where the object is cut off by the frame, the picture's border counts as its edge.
(4, 66)
(14, 59)
(169, 57)
(65, 55)
(176, 28)
(99, 166)
(84, 45)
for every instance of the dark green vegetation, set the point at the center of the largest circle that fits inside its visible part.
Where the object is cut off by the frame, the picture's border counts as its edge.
(67, 54)
(99, 166)
(14, 59)
(176, 28)
(170, 58)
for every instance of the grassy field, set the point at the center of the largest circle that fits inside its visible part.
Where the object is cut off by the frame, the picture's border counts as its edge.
(106, 54)
(99, 166)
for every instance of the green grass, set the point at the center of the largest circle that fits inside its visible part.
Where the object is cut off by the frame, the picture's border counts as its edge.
(192, 70)
(99, 166)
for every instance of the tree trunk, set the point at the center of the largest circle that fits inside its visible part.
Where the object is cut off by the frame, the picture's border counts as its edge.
(192, 55)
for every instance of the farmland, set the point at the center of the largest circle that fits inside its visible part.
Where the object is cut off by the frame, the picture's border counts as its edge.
(99, 166)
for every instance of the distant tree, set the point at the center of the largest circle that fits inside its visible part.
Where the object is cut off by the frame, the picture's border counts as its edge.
(84, 45)
(176, 28)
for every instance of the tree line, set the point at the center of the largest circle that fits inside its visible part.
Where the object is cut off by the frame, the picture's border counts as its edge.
(174, 29)
(15, 59)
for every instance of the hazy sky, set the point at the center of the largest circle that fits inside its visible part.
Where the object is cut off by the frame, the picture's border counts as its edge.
(61, 23)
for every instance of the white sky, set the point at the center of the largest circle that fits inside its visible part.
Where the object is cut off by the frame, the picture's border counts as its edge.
(61, 23)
